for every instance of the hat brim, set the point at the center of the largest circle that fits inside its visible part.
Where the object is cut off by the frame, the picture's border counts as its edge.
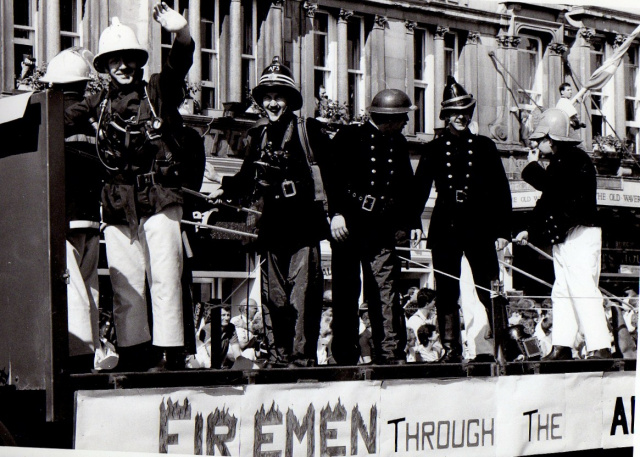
(458, 106)
(63, 80)
(540, 135)
(293, 95)
(392, 110)
(100, 61)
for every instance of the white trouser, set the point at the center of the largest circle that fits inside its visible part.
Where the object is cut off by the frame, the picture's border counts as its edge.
(155, 250)
(577, 301)
(474, 314)
(83, 292)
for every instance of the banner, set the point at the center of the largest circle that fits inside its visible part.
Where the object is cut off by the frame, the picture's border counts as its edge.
(480, 416)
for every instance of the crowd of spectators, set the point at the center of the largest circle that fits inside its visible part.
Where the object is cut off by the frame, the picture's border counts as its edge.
(528, 334)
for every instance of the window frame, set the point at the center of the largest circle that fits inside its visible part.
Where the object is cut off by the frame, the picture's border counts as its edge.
(75, 35)
(595, 108)
(211, 55)
(453, 51)
(359, 107)
(421, 83)
(250, 59)
(330, 82)
(31, 30)
(634, 51)
(536, 92)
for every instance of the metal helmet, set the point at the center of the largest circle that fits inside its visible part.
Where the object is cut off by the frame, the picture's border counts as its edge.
(391, 101)
(117, 38)
(278, 77)
(555, 124)
(69, 66)
(455, 99)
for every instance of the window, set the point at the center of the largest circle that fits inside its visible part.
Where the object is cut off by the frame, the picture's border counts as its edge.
(70, 17)
(529, 71)
(249, 26)
(355, 55)
(420, 79)
(24, 32)
(632, 96)
(321, 61)
(450, 55)
(597, 98)
(209, 27)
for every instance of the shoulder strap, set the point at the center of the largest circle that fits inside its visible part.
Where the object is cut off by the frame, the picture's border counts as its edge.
(304, 140)
(320, 194)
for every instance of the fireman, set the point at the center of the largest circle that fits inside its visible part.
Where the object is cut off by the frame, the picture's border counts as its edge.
(370, 216)
(69, 72)
(139, 141)
(472, 213)
(279, 170)
(565, 216)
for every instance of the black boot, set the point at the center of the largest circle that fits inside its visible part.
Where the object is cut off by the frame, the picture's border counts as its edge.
(170, 359)
(135, 358)
(452, 353)
(604, 353)
(449, 326)
(559, 353)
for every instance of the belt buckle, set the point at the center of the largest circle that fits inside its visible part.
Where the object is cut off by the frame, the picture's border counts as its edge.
(146, 179)
(368, 202)
(461, 196)
(288, 188)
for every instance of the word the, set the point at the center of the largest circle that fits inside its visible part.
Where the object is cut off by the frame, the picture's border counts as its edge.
(543, 423)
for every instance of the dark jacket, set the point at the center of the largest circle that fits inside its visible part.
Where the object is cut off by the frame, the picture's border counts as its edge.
(125, 197)
(83, 173)
(371, 184)
(568, 199)
(280, 177)
(474, 198)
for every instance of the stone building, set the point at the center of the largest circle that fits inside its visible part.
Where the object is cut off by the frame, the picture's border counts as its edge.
(511, 55)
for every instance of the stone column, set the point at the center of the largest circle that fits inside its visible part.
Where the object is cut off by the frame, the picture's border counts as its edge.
(471, 82)
(343, 57)
(195, 72)
(507, 129)
(51, 30)
(7, 67)
(555, 78)
(378, 74)
(235, 52)
(276, 34)
(581, 64)
(307, 58)
(439, 80)
(410, 81)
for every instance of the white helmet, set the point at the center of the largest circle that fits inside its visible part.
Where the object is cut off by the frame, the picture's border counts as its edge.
(555, 124)
(69, 66)
(116, 38)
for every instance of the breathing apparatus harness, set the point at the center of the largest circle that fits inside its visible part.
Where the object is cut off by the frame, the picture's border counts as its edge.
(119, 140)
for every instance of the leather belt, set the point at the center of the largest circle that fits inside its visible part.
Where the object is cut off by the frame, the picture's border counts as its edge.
(368, 202)
(146, 179)
(461, 196)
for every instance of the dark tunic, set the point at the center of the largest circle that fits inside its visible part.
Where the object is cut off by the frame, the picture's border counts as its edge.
(568, 199)
(125, 198)
(472, 210)
(371, 189)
